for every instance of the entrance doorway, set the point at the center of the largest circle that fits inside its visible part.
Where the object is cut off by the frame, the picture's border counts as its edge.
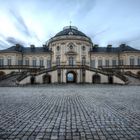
(96, 79)
(46, 79)
(71, 77)
(32, 80)
(110, 79)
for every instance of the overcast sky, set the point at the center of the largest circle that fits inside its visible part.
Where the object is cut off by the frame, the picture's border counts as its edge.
(35, 21)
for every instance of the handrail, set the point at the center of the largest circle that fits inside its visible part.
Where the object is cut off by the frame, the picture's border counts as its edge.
(129, 73)
(120, 67)
(20, 67)
(8, 75)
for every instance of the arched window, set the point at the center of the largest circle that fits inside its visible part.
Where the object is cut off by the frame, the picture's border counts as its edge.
(83, 60)
(71, 61)
(19, 61)
(48, 63)
(114, 62)
(27, 61)
(41, 61)
(92, 63)
(121, 62)
(9, 61)
(107, 62)
(34, 62)
(57, 60)
(99, 62)
(132, 61)
(1, 61)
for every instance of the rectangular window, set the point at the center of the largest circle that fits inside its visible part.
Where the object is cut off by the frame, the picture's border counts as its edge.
(83, 61)
(9, 61)
(19, 62)
(92, 63)
(27, 62)
(71, 61)
(107, 63)
(132, 61)
(41, 62)
(48, 63)
(99, 63)
(114, 62)
(57, 61)
(121, 62)
(138, 60)
(1, 62)
(34, 63)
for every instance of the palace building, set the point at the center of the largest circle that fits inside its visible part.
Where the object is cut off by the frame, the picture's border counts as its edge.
(70, 57)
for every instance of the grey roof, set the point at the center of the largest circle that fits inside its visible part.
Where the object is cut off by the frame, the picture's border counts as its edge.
(19, 48)
(70, 30)
(121, 48)
(33, 49)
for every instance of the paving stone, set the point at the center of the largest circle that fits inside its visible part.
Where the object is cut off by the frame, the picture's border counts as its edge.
(70, 112)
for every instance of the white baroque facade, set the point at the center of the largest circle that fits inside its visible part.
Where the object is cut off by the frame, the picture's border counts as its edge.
(70, 56)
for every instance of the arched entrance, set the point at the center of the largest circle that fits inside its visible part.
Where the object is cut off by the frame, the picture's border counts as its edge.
(46, 79)
(96, 79)
(110, 79)
(32, 80)
(71, 77)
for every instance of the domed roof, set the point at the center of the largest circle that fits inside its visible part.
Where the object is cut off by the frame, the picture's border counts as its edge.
(70, 30)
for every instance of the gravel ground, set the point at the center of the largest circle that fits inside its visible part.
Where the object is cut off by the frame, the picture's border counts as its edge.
(70, 112)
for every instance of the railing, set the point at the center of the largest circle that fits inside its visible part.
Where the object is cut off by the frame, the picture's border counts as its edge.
(23, 75)
(129, 73)
(120, 67)
(8, 75)
(69, 66)
(20, 67)
(121, 76)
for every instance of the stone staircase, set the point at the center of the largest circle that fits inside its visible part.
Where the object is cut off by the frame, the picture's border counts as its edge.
(9, 80)
(133, 80)
(85, 67)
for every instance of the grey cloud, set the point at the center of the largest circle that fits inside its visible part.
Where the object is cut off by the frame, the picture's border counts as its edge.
(93, 17)
(14, 41)
(84, 7)
(20, 23)
(3, 44)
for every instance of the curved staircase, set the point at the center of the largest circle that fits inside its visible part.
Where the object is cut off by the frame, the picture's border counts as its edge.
(9, 79)
(84, 67)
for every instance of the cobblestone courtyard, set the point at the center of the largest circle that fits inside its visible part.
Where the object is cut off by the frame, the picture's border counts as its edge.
(71, 112)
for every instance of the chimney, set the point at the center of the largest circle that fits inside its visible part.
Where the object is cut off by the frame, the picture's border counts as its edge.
(44, 46)
(17, 47)
(32, 46)
(123, 45)
(96, 46)
(109, 46)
